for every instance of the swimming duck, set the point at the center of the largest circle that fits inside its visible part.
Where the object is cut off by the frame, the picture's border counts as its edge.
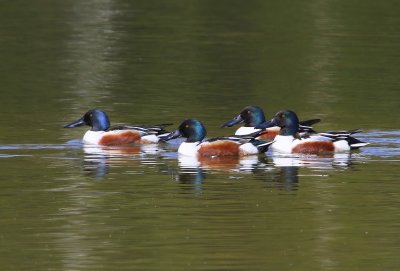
(253, 115)
(102, 134)
(194, 132)
(290, 141)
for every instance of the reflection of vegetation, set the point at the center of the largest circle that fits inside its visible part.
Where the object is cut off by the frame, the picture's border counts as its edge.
(218, 56)
(140, 59)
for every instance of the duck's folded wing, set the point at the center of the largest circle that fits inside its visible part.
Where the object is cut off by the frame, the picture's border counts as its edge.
(145, 128)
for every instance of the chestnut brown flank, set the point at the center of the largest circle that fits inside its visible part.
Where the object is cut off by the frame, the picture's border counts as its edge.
(314, 147)
(219, 148)
(268, 135)
(120, 138)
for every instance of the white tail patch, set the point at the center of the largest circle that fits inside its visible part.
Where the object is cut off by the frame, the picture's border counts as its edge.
(148, 139)
(359, 145)
(248, 149)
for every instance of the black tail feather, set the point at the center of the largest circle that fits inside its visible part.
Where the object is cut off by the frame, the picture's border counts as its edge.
(309, 122)
(356, 143)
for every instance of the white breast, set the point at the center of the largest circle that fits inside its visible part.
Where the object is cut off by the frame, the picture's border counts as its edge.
(283, 144)
(92, 137)
(189, 148)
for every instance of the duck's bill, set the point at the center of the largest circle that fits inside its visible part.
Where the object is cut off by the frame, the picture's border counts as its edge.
(232, 122)
(267, 124)
(76, 123)
(170, 136)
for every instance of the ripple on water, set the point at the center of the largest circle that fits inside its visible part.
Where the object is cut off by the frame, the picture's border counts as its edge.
(384, 144)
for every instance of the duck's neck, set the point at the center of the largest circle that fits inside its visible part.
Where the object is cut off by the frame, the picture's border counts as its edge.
(197, 136)
(100, 125)
(255, 120)
(291, 128)
(288, 131)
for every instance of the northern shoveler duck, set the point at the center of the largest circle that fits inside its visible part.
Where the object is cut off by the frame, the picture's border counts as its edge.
(253, 116)
(194, 132)
(290, 141)
(102, 134)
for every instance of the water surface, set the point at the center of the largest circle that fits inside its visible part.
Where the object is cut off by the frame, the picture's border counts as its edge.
(66, 206)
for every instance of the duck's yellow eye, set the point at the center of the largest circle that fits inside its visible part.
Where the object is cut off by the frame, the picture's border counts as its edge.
(187, 125)
(248, 111)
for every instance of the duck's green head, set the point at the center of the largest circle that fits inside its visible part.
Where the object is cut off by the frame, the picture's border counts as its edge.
(251, 116)
(192, 129)
(287, 120)
(95, 118)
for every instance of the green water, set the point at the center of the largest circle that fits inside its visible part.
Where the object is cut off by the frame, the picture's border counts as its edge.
(66, 207)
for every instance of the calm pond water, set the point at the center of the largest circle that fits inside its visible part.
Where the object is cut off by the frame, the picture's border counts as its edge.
(65, 206)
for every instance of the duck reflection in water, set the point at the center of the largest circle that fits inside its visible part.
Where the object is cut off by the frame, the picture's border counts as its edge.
(283, 171)
(325, 161)
(286, 178)
(193, 170)
(234, 164)
(98, 159)
(289, 165)
(191, 178)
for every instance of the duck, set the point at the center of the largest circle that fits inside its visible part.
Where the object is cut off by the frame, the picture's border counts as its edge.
(253, 115)
(101, 133)
(196, 145)
(289, 139)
